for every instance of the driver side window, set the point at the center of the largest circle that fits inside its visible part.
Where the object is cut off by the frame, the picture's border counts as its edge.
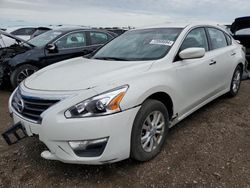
(72, 40)
(196, 38)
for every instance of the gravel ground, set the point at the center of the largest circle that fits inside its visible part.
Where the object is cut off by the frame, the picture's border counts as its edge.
(211, 148)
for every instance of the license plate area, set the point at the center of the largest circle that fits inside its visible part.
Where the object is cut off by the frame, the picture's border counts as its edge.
(15, 133)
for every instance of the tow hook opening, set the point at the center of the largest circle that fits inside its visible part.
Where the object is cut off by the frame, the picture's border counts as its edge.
(14, 134)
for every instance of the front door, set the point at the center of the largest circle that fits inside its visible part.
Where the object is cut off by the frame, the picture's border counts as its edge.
(195, 76)
(69, 46)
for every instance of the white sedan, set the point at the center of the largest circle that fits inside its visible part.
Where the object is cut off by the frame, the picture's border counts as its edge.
(122, 101)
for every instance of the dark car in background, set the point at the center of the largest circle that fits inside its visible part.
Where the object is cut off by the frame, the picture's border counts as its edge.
(21, 58)
(241, 31)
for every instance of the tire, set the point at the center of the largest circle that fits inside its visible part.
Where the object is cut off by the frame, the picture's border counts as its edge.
(142, 131)
(20, 73)
(236, 81)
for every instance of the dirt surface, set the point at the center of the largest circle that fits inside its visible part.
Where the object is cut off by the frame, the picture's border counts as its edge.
(211, 148)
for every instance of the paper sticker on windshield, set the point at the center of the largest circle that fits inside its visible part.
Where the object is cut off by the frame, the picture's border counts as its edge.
(162, 42)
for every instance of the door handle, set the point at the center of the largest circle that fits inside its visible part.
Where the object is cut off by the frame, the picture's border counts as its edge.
(213, 62)
(233, 53)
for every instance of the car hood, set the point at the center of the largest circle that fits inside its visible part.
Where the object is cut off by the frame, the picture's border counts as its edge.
(240, 23)
(15, 38)
(80, 73)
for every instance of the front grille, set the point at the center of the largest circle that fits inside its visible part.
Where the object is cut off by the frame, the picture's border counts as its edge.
(30, 107)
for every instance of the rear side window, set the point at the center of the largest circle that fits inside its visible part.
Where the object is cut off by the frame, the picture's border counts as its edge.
(24, 31)
(98, 38)
(218, 39)
(195, 39)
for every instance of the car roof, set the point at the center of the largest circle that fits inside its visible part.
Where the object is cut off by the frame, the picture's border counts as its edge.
(69, 29)
(180, 25)
(169, 25)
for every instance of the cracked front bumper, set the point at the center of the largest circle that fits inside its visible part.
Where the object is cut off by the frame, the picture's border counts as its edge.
(56, 133)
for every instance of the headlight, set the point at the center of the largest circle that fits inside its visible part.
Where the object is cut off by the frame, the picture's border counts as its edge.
(103, 104)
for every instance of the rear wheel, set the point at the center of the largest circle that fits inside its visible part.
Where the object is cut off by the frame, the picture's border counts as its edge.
(149, 130)
(20, 73)
(236, 81)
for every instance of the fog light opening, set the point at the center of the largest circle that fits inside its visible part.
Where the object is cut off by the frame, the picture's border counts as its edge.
(89, 148)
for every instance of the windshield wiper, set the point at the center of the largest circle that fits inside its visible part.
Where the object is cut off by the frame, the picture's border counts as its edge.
(112, 58)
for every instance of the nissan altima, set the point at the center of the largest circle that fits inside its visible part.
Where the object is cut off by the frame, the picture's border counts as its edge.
(121, 103)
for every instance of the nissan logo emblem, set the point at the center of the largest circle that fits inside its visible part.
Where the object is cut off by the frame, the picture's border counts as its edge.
(20, 105)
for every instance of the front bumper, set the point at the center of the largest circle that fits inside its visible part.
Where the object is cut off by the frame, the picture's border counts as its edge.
(56, 131)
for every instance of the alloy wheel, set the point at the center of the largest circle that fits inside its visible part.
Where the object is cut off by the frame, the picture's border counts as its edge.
(24, 74)
(152, 131)
(236, 81)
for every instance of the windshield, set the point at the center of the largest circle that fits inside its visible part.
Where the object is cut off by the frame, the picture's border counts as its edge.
(44, 38)
(139, 45)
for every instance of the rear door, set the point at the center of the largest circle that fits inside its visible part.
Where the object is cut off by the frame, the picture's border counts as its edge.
(195, 76)
(70, 45)
(98, 39)
(223, 54)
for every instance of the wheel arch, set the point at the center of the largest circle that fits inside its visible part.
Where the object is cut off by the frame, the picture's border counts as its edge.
(25, 63)
(13, 73)
(165, 99)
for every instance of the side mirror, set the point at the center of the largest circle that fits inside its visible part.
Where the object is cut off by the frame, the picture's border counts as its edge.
(192, 53)
(51, 47)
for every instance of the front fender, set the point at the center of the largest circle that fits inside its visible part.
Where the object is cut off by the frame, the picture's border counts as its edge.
(148, 84)
(34, 56)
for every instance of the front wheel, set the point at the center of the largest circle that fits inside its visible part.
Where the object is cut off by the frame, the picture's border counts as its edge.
(149, 130)
(20, 73)
(236, 81)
